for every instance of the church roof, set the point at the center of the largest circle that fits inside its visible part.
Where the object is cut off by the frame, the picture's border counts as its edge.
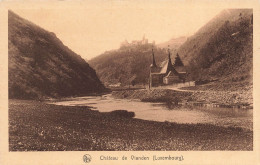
(171, 74)
(164, 67)
(168, 67)
(162, 64)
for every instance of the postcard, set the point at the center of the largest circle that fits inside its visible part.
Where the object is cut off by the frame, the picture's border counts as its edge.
(129, 82)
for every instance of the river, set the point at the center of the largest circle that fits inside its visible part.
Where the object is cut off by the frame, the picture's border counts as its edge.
(162, 112)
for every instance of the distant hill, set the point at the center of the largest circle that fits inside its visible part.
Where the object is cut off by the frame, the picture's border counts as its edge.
(173, 43)
(222, 49)
(128, 64)
(40, 66)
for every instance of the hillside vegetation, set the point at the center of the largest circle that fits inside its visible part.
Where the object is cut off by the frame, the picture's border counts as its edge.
(127, 64)
(222, 50)
(173, 43)
(40, 66)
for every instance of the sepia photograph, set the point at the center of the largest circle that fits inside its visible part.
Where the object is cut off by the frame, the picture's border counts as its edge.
(133, 77)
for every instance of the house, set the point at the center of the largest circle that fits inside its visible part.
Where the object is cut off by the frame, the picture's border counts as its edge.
(167, 73)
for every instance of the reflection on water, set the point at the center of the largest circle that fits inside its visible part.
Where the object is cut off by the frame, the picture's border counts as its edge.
(167, 112)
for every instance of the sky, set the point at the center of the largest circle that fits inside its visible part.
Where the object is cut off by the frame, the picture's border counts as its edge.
(90, 30)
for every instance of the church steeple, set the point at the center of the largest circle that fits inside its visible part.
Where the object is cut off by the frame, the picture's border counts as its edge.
(169, 66)
(169, 55)
(154, 64)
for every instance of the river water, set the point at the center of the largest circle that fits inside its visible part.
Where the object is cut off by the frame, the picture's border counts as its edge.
(166, 112)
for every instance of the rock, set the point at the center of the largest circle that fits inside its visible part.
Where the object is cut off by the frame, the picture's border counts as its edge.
(122, 113)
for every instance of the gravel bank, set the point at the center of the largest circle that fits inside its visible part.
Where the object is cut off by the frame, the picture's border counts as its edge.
(215, 98)
(37, 126)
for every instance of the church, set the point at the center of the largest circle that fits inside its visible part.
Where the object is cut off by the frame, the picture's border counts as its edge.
(167, 73)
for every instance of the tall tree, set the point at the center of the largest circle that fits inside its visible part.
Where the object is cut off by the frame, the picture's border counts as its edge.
(178, 61)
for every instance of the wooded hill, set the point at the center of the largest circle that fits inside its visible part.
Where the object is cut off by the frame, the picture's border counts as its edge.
(127, 64)
(221, 50)
(173, 43)
(40, 66)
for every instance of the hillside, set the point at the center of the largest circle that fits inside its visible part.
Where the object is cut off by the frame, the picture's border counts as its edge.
(127, 64)
(131, 63)
(222, 49)
(174, 43)
(40, 66)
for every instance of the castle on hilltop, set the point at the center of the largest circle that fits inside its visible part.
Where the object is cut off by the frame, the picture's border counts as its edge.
(144, 41)
(167, 73)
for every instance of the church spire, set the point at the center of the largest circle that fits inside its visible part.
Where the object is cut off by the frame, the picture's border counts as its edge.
(169, 56)
(154, 64)
(169, 66)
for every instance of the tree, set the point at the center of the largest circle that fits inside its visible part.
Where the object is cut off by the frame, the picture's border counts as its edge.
(178, 61)
(133, 83)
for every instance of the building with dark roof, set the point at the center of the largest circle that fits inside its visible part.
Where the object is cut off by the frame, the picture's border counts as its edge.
(167, 73)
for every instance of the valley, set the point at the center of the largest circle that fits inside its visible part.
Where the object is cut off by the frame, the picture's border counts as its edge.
(130, 99)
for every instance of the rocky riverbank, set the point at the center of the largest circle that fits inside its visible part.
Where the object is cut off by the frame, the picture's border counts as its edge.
(227, 99)
(37, 126)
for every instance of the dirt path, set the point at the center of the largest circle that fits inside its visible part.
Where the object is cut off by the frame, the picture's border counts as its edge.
(179, 89)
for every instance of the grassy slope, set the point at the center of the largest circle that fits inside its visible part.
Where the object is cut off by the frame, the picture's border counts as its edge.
(41, 66)
(222, 50)
(42, 127)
